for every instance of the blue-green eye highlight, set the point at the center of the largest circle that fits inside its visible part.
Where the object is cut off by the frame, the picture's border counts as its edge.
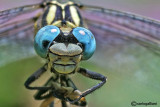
(44, 38)
(86, 38)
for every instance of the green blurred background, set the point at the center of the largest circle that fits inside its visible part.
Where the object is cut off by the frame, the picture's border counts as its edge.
(132, 76)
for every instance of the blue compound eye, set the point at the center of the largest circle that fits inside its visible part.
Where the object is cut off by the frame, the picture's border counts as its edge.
(44, 38)
(86, 38)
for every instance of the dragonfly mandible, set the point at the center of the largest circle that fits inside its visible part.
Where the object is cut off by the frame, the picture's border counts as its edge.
(136, 28)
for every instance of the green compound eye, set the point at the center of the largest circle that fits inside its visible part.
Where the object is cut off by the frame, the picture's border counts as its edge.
(86, 38)
(44, 38)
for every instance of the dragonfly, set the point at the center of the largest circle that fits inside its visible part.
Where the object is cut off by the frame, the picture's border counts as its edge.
(109, 26)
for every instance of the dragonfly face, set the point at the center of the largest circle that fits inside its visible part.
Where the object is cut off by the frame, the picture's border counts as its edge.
(64, 59)
(64, 50)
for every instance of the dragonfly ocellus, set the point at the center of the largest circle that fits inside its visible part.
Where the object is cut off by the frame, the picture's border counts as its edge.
(63, 38)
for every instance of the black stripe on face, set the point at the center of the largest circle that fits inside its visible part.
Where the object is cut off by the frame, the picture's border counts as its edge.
(68, 16)
(58, 14)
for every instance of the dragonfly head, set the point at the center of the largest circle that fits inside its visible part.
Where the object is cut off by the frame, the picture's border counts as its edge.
(64, 50)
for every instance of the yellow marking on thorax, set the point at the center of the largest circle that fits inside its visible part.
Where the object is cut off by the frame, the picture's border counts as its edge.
(35, 28)
(55, 2)
(51, 14)
(36, 24)
(63, 12)
(57, 23)
(62, 6)
(75, 15)
(68, 24)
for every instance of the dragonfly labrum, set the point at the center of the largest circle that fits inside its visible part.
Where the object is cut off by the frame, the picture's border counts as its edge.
(64, 36)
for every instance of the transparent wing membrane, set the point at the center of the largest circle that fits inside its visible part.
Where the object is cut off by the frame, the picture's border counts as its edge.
(136, 28)
(17, 45)
(12, 29)
(17, 32)
(10, 14)
(16, 35)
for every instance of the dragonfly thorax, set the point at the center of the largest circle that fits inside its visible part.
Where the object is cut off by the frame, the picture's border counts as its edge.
(59, 15)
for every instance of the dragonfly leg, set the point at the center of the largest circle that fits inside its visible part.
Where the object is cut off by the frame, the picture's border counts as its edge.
(92, 75)
(70, 83)
(57, 91)
(34, 77)
(75, 93)
(41, 94)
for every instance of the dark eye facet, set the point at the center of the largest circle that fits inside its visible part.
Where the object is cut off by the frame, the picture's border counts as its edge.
(45, 43)
(44, 38)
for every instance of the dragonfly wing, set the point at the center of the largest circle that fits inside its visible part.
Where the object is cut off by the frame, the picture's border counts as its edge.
(136, 28)
(15, 27)
(16, 32)
(11, 14)
(16, 41)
